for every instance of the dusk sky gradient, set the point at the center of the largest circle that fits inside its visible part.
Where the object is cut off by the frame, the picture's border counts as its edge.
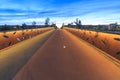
(59, 11)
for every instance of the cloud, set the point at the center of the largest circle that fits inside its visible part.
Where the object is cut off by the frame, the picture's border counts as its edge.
(90, 12)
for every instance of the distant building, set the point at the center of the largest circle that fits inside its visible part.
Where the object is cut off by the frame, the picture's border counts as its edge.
(113, 26)
(103, 27)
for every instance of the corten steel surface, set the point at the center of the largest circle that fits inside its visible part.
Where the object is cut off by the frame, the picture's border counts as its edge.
(10, 38)
(65, 57)
(104, 41)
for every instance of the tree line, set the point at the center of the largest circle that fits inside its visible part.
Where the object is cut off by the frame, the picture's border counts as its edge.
(34, 25)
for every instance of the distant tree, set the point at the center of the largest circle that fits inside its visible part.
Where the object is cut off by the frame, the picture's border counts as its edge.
(18, 27)
(47, 22)
(5, 28)
(78, 23)
(54, 25)
(24, 26)
(69, 25)
(34, 24)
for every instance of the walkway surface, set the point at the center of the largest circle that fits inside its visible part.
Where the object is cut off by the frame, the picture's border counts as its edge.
(13, 58)
(65, 57)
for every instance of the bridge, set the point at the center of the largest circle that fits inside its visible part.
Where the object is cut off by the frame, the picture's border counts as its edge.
(57, 55)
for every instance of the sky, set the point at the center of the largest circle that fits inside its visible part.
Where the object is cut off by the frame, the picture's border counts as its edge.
(59, 11)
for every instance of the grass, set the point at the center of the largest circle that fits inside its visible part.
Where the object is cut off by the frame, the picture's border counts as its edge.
(103, 42)
(118, 53)
(5, 36)
(87, 39)
(93, 42)
(14, 33)
(9, 43)
(90, 32)
(96, 36)
(23, 33)
(118, 39)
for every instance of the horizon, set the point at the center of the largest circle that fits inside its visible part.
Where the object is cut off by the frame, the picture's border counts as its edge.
(92, 12)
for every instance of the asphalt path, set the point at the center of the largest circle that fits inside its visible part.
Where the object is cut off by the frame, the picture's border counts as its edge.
(15, 57)
(65, 57)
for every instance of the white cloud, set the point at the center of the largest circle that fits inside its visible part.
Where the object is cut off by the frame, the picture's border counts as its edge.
(90, 12)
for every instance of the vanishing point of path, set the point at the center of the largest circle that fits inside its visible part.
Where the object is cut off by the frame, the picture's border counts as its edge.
(65, 57)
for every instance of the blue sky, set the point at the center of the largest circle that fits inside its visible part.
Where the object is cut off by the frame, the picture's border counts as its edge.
(59, 11)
